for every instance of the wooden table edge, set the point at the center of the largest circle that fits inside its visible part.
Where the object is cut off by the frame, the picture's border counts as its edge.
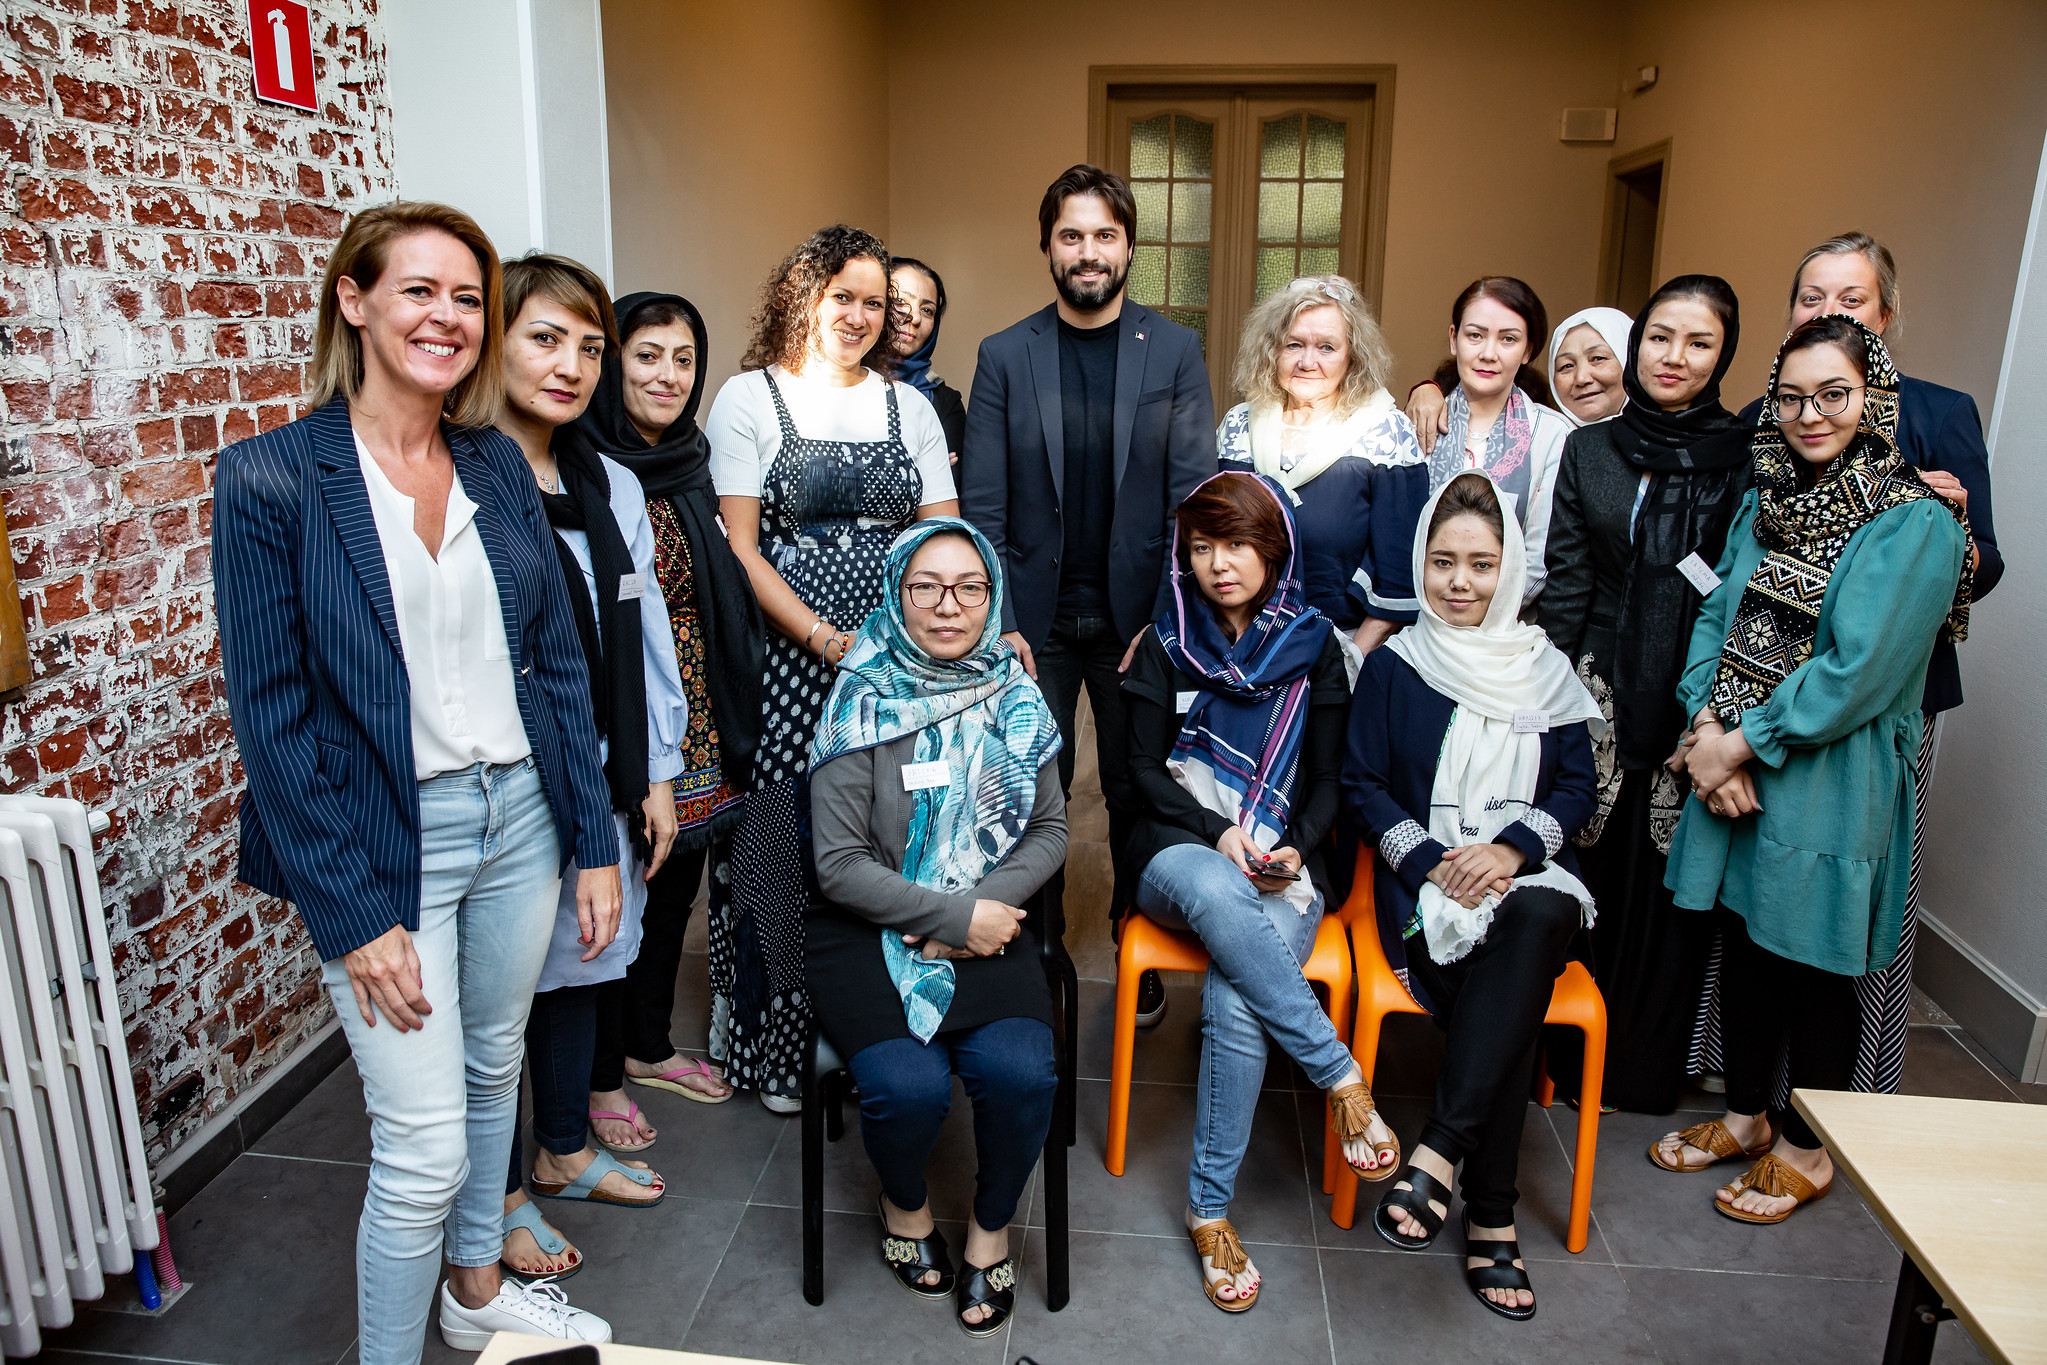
(1976, 1331)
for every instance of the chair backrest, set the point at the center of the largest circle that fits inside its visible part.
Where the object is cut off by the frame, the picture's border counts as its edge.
(1360, 917)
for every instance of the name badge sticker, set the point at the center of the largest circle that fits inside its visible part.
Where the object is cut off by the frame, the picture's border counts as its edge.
(1698, 573)
(1531, 722)
(1183, 702)
(919, 776)
(632, 587)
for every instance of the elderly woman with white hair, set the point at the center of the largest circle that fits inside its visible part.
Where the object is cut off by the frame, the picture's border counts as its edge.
(1317, 419)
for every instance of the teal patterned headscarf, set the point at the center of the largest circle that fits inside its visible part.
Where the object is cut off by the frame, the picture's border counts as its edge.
(980, 715)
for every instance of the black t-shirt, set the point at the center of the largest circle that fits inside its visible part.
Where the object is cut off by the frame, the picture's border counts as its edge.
(1087, 401)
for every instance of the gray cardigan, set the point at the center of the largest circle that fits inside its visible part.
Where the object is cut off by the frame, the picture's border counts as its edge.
(860, 826)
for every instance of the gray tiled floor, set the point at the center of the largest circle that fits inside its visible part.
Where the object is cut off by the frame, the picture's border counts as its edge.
(268, 1247)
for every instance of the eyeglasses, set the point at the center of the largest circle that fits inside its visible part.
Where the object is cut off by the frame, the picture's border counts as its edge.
(925, 596)
(1831, 401)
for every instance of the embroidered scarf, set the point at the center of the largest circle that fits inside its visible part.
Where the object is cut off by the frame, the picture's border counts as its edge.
(1509, 447)
(1805, 532)
(980, 715)
(1373, 432)
(1239, 749)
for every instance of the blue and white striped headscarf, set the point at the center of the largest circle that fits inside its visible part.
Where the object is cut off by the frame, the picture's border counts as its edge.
(980, 715)
(1240, 747)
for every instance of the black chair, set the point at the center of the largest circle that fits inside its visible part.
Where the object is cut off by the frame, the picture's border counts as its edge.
(826, 1083)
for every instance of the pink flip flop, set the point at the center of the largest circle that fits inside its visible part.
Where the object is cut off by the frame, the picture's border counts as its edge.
(672, 1080)
(632, 1117)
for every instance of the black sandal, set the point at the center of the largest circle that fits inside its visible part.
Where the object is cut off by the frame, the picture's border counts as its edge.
(994, 1288)
(1501, 1274)
(1413, 1201)
(911, 1258)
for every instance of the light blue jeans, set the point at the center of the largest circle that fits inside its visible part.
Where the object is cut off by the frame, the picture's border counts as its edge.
(1256, 945)
(443, 1100)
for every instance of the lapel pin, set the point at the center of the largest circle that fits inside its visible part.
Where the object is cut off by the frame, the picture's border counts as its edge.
(1140, 336)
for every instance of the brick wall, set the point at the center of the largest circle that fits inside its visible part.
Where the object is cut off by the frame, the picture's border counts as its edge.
(161, 239)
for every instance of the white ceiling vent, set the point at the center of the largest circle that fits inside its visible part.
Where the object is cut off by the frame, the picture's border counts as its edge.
(1587, 125)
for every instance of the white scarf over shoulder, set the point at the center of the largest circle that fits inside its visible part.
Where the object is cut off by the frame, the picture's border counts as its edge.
(1495, 671)
(1327, 443)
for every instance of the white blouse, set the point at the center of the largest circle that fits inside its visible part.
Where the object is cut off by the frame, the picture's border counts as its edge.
(465, 706)
(746, 434)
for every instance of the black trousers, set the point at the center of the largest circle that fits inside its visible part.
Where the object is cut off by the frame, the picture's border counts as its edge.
(633, 1012)
(1493, 1000)
(1086, 650)
(558, 1040)
(1771, 1006)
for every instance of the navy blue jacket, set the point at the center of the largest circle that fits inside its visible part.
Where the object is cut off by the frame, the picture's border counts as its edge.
(1013, 470)
(1939, 428)
(1397, 727)
(316, 681)
(1356, 523)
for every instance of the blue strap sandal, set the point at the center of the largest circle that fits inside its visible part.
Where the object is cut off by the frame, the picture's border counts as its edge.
(584, 1187)
(551, 1243)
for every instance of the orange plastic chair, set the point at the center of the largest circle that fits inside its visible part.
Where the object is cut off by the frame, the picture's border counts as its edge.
(1574, 1001)
(1147, 946)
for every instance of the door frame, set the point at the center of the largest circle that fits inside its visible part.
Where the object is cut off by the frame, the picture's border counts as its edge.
(1103, 80)
(1611, 222)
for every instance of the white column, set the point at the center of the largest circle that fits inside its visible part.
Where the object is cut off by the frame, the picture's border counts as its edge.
(1982, 951)
(498, 108)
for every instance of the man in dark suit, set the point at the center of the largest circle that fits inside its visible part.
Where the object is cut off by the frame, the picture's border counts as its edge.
(1090, 420)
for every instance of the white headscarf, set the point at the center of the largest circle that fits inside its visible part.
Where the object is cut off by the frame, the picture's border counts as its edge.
(1612, 325)
(1501, 671)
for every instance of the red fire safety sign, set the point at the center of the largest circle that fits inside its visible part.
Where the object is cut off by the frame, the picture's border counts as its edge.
(281, 42)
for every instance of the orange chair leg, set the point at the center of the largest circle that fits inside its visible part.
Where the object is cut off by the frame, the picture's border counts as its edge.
(1342, 1012)
(1588, 1133)
(1121, 1061)
(1364, 1047)
(1545, 1088)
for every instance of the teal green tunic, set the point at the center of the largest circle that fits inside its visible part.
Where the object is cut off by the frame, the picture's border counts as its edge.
(1821, 873)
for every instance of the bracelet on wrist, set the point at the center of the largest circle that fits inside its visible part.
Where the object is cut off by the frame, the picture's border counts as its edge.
(811, 634)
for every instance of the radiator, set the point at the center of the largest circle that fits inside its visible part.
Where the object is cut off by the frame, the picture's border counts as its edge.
(75, 1200)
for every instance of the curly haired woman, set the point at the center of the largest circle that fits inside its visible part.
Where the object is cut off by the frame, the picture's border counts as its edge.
(820, 459)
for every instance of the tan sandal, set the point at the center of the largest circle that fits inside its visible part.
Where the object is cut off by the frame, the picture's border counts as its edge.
(1217, 1244)
(1351, 1110)
(1777, 1179)
(1712, 1138)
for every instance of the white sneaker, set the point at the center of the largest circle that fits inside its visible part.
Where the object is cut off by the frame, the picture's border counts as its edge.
(538, 1309)
(781, 1104)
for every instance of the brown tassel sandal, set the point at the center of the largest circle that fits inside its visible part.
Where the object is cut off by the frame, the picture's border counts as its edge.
(1351, 1110)
(1777, 1179)
(1217, 1244)
(1711, 1137)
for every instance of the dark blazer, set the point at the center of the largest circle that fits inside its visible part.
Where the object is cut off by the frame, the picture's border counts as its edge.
(1939, 428)
(316, 681)
(1013, 470)
(1397, 725)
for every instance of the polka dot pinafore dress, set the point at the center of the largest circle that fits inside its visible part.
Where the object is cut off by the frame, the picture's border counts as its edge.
(829, 511)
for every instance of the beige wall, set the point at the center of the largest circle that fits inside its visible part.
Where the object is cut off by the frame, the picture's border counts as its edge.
(989, 102)
(1918, 123)
(737, 130)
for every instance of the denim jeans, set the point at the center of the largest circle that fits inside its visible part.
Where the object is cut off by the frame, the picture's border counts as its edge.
(443, 1099)
(906, 1091)
(1256, 945)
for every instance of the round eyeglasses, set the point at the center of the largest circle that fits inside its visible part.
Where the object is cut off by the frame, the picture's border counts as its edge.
(1831, 401)
(925, 596)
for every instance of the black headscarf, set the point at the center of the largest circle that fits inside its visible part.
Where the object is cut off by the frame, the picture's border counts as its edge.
(611, 645)
(676, 469)
(1698, 469)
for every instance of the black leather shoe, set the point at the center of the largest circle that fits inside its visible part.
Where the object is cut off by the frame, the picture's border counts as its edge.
(1151, 1000)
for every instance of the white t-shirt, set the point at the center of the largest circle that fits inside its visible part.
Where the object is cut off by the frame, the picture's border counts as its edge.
(465, 706)
(746, 434)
